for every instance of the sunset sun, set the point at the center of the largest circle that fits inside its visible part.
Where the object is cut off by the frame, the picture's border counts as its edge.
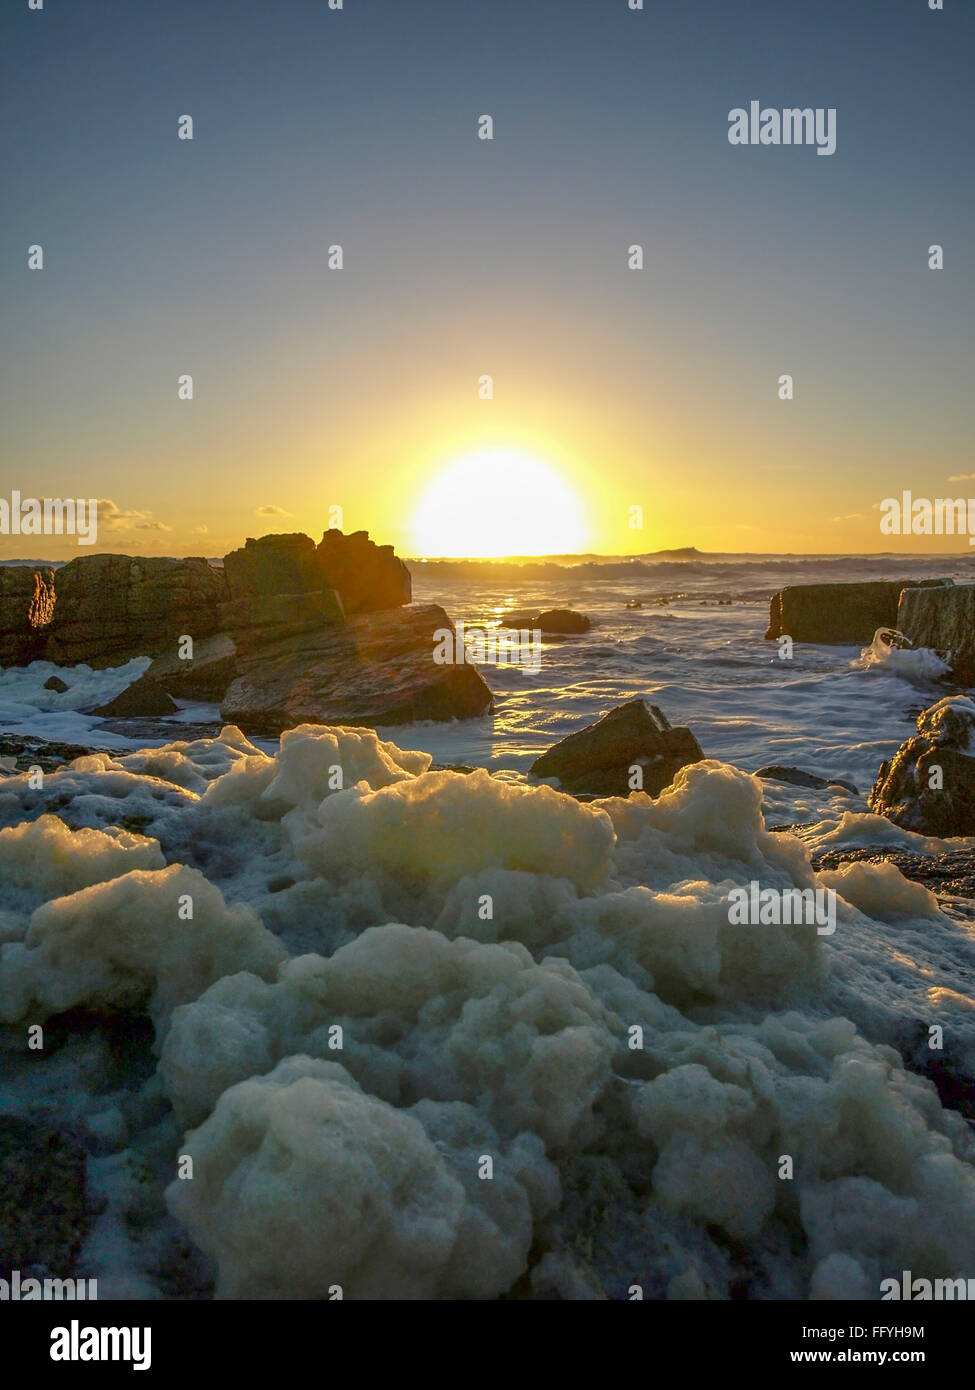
(498, 502)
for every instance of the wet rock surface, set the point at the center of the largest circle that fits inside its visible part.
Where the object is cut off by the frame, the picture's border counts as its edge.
(597, 760)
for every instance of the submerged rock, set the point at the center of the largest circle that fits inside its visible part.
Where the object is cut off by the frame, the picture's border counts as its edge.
(776, 772)
(376, 669)
(556, 622)
(597, 760)
(563, 621)
(929, 784)
(838, 613)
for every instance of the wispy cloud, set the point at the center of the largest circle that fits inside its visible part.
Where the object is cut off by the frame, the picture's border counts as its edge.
(850, 516)
(112, 517)
(960, 477)
(271, 510)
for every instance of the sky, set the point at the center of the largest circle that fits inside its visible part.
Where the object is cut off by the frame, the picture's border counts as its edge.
(613, 388)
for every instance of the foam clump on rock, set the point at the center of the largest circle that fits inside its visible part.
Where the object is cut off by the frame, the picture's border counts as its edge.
(302, 1184)
(130, 941)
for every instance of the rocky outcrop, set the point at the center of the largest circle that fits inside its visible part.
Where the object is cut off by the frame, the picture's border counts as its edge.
(597, 760)
(376, 669)
(942, 618)
(283, 564)
(368, 577)
(111, 608)
(929, 784)
(838, 613)
(26, 609)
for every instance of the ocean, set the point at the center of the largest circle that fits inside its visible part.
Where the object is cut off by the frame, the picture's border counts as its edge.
(432, 1035)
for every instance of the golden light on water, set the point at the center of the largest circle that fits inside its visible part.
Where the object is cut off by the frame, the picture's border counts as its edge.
(498, 502)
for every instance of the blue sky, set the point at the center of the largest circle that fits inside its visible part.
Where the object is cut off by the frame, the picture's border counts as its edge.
(314, 127)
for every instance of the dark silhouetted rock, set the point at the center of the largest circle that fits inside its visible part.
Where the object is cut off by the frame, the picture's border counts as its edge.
(111, 608)
(795, 775)
(368, 577)
(206, 676)
(44, 1214)
(838, 613)
(285, 564)
(597, 759)
(942, 618)
(143, 697)
(376, 669)
(55, 683)
(929, 784)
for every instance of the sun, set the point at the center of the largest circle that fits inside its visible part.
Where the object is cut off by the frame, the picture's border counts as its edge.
(498, 502)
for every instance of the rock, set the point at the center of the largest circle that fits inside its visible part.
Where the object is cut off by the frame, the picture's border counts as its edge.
(519, 622)
(110, 608)
(562, 621)
(597, 759)
(369, 577)
(795, 775)
(25, 751)
(376, 669)
(26, 609)
(55, 683)
(557, 622)
(634, 603)
(903, 791)
(838, 613)
(206, 676)
(254, 619)
(44, 1215)
(285, 564)
(942, 618)
(143, 697)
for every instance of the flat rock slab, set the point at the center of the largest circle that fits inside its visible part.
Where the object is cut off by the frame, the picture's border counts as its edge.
(838, 613)
(378, 669)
